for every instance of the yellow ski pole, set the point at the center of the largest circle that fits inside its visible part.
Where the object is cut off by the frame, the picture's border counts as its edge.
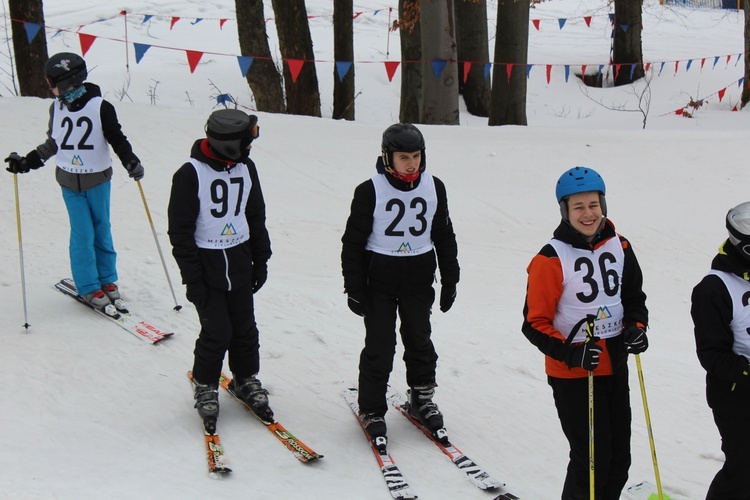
(648, 426)
(20, 253)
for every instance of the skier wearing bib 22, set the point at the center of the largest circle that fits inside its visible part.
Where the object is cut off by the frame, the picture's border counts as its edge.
(217, 227)
(398, 222)
(82, 126)
(588, 279)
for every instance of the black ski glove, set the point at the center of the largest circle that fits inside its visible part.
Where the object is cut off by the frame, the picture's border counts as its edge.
(18, 164)
(635, 339)
(447, 297)
(585, 355)
(260, 275)
(135, 169)
(197, 293)
(356, 303)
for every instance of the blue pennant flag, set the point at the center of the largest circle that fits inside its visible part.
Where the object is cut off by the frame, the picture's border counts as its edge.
(342, 68)
(716, 59)
(661, 68)
(140, 51)
(31, 30)
(528, 70)
(147, 18)
(739, 82)
(197, 20)
(223, 99)
(567, 73)
(561, 22)
(689, 63)
(245, 63)
(438, 65)
(632, 71)
(487, 68)
(624, 27)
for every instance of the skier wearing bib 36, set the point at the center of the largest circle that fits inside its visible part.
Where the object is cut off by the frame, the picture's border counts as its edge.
(722, 321)
(217, 227)
(398, 223)
(585, 310)
(82, 126)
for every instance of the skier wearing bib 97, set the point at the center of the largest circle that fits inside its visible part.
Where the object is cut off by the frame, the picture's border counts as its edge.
(82, 126)
(217, 227)
(586, 310)
(399, 221)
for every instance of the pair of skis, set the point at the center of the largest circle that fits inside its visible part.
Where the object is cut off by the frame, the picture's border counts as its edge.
(397, 484)
(218, 465)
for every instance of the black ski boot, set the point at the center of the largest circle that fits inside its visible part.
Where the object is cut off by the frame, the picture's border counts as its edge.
(254, 395)
(207, 404)
(422, 407)
(375, 426)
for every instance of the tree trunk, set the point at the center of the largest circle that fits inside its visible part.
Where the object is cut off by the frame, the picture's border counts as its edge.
(746, 86)
(29, 57)
(626, 49)
(439, 92)
(410, 31)
(262, 77)
(295, 42)
(473, 49)
(508, 98)
(343, 51)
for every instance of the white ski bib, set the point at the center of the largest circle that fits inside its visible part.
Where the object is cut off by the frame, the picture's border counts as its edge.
(81, 146)
(223, 197)
(592, 282)
(402, 220)
(739, 290)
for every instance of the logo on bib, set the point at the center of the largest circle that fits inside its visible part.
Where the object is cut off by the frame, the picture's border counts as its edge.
(77, 161)
(229, 230)
(405, 247)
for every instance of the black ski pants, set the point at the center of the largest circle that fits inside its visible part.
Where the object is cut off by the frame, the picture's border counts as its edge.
(397, 286)
(612, 418)
(731, 409)
(227, 324)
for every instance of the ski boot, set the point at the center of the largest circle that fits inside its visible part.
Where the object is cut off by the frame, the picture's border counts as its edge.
(423, 409)
(375, 426)
(254, 395)
(207, 404)
(113, 293)
(98, 300)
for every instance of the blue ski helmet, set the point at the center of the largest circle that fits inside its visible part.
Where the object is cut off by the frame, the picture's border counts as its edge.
(579, 180)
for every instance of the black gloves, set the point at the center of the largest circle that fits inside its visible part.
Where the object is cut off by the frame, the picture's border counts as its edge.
(447, 297)
(356, 303)
(135, 169)
(197, 293)
(585, 355)
(18, 164)
(635, 339)
(260, 275)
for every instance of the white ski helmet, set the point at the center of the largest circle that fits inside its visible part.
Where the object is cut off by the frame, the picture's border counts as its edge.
(738, 225)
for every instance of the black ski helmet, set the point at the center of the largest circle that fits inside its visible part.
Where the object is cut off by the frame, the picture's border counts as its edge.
(65, 71)
(738, 225)
(402, 137)
(230, 132)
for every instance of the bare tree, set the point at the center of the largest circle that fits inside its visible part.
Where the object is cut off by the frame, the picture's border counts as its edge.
(627, 53)
(410, 31)
(295, 42)
(262, 77)
(439, 103)
(473, 49)
(746, 86)
(343, 52)
(508, 98)
(29, 57)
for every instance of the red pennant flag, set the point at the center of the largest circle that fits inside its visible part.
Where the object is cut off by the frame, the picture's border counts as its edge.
(734, 108)
(679, 111)
(467, 68)
(729, 56)
(86, 41)
(174, 20)
(676, 65)
(295, 66)
(221, 23)
(194, 58)
(390, 69)
(508, 70)
(703, 61)
(721, 93)
(549, 72)
(646, 68)
(583, 70)
(588, 20)
(357, 14)
(536, 23)
(617, 70)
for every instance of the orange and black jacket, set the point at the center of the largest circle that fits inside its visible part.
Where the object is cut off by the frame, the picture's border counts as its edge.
(545, 287)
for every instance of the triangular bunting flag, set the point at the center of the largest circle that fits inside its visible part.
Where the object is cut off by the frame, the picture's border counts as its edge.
(583, 70)
(739, 82)
(601, 67)
(617, 70)
(438, 65)
(647, 67)
(197, 20)
(86, 41)
(567, 73)
(223, 99)
(729, 58)
(689, 63)
(174, 21)
(612, 19)
(632, 71)
(624, 27)
(390, 69)
(295, 66)
(587, 19)
(31, 30)
(679, 111)
(549, 72)
(487, 69)
(716, 59)
(676, 65)
(561, 22)
(528, 70)
(357, 14)
(342, 68)
(721, 93)
(140, 51)
(245, 63)
(147, 18)
(535, 22)
(661, 68)
(508, 70)
(734, 108)
(194, 58)
(467, 68)
(703, 61)
(221, 23)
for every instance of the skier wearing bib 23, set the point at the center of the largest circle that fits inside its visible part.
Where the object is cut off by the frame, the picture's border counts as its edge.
(398, 222)
(586, 282)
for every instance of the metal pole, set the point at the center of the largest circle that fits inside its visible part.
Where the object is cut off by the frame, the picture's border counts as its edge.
(20, 253)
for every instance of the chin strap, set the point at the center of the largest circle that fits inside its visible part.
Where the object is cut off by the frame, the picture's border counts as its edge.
(403, 177)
